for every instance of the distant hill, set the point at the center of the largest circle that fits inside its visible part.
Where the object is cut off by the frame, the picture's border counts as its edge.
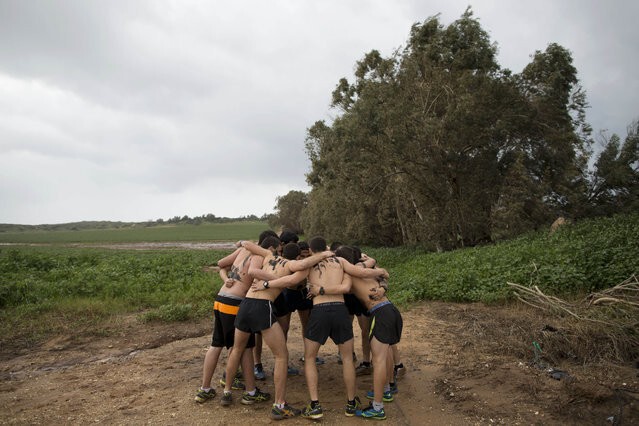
(103, 224)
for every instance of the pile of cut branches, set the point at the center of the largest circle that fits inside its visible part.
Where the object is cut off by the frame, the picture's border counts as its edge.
(602, 326)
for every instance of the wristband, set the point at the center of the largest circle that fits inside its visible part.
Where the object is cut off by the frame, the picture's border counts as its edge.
(265, 284)
(321, 291)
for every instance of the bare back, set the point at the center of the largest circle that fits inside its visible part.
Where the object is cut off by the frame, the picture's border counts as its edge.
(239, 272)
(327, 272)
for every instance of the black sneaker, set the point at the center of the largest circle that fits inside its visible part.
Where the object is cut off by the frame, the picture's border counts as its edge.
(312, 413)
(363, 369)
(351, 409)
(204, 395)
(399, 371)
(227, 399)
(286, 412)
(259, 396)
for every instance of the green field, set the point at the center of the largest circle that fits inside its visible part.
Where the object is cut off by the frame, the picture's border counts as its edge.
(139, 233)
(47, 289)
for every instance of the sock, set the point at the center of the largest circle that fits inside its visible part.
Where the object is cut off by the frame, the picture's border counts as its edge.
(281, 405)
(252, 393)
(227, 392)
(205, 389)
(398, 366)
(366, 363)
(386, 388)
(351, 402)
(314, 403)
(391, 385)
(258, 365)
(377, 406)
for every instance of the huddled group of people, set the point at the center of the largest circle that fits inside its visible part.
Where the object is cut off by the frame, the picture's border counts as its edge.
(264, 283)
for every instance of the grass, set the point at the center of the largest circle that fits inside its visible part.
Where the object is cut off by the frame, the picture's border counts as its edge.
(49, 289)
(231, 231)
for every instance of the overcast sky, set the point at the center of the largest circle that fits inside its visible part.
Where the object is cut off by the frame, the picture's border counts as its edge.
(139, 110)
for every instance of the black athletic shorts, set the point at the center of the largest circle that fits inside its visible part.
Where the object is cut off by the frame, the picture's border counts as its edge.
(329, 320)
(255, 315)
(280, 305)
(386, 323)
(354, 306)
(296, 299)
(225, 309)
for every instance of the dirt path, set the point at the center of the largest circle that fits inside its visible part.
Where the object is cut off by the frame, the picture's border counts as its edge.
(458, 373)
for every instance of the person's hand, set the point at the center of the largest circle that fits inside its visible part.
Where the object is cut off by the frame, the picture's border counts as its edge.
(313, 290)
(383, 272)
(239, 243)
(229, 282)
(327, 254)
(258, 286)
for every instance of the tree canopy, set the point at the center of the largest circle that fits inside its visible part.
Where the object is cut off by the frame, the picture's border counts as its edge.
(437, 145)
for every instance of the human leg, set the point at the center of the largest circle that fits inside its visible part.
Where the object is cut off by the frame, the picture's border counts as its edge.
(233, 361)
(311, 349)
(274, 339)
(210, 363)
(348, 368)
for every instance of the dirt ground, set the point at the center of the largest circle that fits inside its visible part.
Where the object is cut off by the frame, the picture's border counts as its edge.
(464, 367)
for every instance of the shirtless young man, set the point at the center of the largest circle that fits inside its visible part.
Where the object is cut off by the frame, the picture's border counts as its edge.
(237, 280)
(329, 318)
(385, 329)
(256, 314)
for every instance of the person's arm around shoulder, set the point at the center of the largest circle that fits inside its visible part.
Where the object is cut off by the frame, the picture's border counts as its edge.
(309, 262)
(281, 282)
(360, 272)
(254, 248)
(227, 261)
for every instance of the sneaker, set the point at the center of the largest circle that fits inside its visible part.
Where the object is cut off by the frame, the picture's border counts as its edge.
(363, 369)
(350, 410)
(227, 399)
(284, 413)
(236, 385)
(204, 395)
(259, 372)
(393, 389)
(399, 371)
(259, 396)
(388, 396)
(312, 413)
(371, 413)
(292, 371)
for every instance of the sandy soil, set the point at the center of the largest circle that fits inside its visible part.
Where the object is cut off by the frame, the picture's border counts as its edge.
(462, 369)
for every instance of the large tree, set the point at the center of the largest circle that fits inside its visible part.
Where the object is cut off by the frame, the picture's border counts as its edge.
(435, 144)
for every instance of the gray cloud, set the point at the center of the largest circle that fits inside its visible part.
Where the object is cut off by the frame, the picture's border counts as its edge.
(148, 109)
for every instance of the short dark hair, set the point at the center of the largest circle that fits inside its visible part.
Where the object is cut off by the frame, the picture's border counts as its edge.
(264, 234)
(269, 242)
(357, 253)
(348, 253)
(288, 237)
(291, 251)
(335, 245)
(303, 245)
(317, 244)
